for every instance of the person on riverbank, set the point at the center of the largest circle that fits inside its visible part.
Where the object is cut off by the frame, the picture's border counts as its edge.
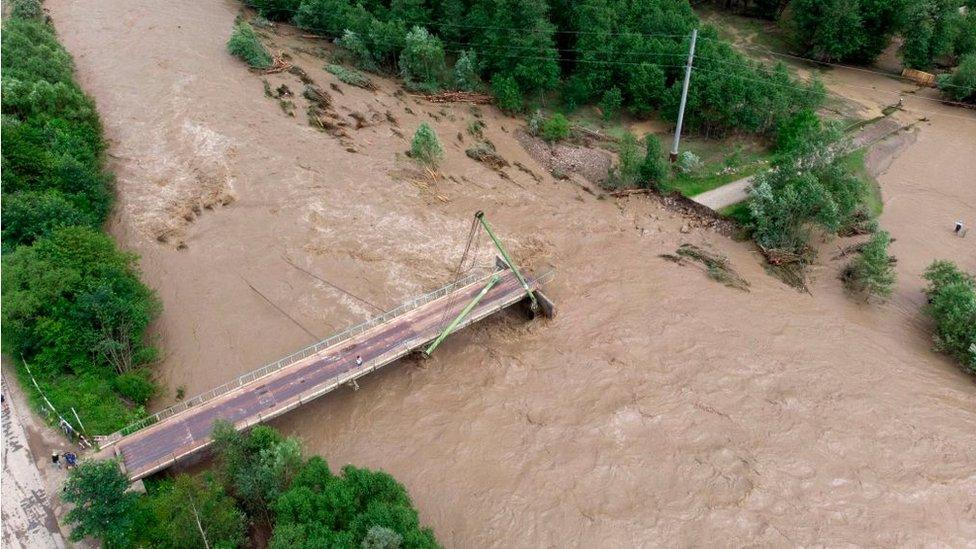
(56, 459)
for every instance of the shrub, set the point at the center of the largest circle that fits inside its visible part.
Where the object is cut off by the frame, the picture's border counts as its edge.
(381, 537)
(961, 84)
(689, 163)
(422, 61)
(277, 10)
(245, 44)
(361, 53)
(610, 102)
(466, 72)
(794, 132)
(26, 9)
(135, 385)
(871, 273)
(507, 94)
(654, 167)
(628, 169)
(350, 76)
(30, 215)
(535, 122)
(555, 128)
(952, 304)
(425, 147)
(331, 17)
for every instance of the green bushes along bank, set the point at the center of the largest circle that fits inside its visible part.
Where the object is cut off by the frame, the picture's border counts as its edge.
(73, 306)
(260, 485)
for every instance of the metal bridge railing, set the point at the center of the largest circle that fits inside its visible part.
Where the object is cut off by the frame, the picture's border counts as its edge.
(290, 359)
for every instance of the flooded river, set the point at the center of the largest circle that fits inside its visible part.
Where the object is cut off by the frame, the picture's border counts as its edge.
(659, 408)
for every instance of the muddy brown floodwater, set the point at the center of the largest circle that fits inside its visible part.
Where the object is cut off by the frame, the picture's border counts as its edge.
(659, 408)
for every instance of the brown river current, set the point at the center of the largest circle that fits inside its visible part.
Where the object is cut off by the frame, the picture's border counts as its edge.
(659, 408)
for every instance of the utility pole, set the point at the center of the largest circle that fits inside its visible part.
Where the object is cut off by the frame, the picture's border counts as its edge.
(684, 96)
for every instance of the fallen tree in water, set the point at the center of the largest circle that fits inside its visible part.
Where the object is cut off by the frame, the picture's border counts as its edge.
(716, 266)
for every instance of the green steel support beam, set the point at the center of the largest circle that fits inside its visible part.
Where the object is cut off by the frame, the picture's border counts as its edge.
(464, 313)
(501, 249)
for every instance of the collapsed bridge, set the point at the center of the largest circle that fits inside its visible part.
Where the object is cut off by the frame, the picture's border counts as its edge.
(172, 434)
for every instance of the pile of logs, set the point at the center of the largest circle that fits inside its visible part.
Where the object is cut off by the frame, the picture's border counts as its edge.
(458, 97)
(278, 64)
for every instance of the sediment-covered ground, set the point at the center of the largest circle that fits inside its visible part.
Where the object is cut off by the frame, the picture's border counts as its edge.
(659, 407)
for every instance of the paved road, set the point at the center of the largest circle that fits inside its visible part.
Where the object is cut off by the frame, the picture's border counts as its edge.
(738, 190)
(28, 518)
(726, 195)
(157, 446)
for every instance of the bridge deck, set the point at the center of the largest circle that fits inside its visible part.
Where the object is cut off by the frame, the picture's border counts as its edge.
(158, 446)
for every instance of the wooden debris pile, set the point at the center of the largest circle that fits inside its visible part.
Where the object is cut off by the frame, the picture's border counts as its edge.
(278, 64)
(458, 97)
(484, 152)
(715, 265)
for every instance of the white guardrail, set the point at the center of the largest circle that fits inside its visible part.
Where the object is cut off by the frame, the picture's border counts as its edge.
(244, 379)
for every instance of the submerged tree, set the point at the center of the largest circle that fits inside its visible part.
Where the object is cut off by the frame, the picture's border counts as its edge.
(871, 273)
(426, 147)
(245, 44)
(952, 304)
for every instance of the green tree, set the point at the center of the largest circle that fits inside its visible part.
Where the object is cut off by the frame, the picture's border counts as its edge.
(795, 132)
(425, 146)
(508, 97)
(809, 186)
(422, 61)
(73, 302)
(610, 102)
(654, 167)
(871, 273)
(961, 84)
(521, 27)
(627, 172)
(321, 509)
(255, 468)
(646, 87)
(466, 72)
(380, 537)
(30, 215)
(277, 10)
(101, 506)
(952, 304)
(245, 44)
(928, 31)
(555, 128)
(842, 30)
(331, 17)
(196, 512)
(27, 9)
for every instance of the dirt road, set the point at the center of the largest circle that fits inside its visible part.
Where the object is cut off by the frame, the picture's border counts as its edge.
(659, 408)
(29, 519)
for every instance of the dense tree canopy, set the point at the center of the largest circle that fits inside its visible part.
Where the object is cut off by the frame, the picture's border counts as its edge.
(618, 53)
(73, 305)
(952, 304)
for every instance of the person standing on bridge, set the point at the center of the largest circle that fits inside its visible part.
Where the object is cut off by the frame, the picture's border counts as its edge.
(359, 360)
